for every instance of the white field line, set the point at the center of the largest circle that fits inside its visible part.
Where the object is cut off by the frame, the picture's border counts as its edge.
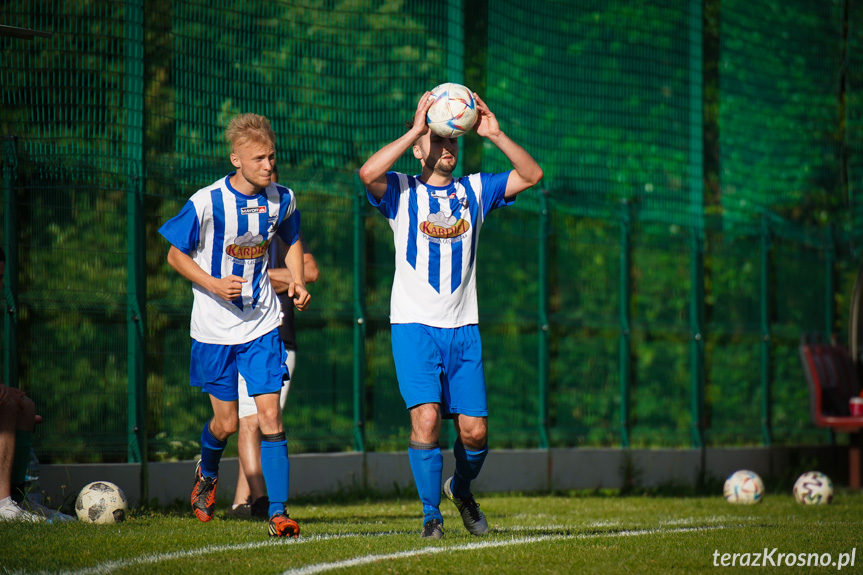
(366, 559)
(154, 558)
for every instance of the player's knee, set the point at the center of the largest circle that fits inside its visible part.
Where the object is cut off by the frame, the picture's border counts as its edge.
(473, 433)
(476, 440)
(425, 422)
(224, 427)
(249, 424)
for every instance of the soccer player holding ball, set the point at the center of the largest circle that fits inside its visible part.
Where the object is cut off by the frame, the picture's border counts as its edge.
(436, 220)
(219, 242)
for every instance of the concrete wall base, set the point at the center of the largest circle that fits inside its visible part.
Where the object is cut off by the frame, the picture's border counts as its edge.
(528, 470)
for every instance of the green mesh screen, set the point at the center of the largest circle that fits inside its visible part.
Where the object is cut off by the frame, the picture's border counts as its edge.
(607, 97)
(734, 391)
(584, 351)
(853, 135)
(619, 307)
(779, 81)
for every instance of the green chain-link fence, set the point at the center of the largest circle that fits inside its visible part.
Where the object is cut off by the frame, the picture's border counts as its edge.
(623, 302)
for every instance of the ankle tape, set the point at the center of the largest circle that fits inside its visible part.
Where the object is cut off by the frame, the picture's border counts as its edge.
(273, 437)
(423, 446)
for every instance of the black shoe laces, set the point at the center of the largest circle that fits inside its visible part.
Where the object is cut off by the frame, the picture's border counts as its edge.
(472, 507)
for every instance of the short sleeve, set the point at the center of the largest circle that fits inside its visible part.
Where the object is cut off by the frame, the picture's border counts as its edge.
(493, 190)
(183, 230)
(388, 205)
(289, 229)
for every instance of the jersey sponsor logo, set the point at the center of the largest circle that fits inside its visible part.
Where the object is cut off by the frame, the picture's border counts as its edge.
(442, 227)
(249, 246)
(253, 210)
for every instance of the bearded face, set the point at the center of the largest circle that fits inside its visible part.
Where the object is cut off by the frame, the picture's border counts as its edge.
(437, 153)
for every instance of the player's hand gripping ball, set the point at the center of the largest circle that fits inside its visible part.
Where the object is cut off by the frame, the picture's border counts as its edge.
(813, 488)
(743, 487)
(101, 502)
(454, 111)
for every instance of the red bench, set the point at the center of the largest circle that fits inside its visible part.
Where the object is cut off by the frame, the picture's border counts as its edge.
(833, 381)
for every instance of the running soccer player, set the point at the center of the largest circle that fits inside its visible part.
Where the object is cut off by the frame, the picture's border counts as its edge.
(433, 306)
(219, 242)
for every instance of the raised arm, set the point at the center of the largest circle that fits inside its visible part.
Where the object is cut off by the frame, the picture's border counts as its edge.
(228, 288)
(526, 172)
(373, 172)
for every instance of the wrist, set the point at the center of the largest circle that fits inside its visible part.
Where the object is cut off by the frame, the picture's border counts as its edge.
(499, 135)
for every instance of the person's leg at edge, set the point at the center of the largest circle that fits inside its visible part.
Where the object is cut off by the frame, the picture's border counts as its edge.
(470, 451)
(25, 424)
(425, 457)
(8, 416)
(250, 480)
(275, 464)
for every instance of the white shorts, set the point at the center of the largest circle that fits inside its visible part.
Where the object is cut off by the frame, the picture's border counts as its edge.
(247, 405)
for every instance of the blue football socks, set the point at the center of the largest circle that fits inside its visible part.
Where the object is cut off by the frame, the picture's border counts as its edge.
(276, 468)
(427, 466)
(211, 452)
(467, 466)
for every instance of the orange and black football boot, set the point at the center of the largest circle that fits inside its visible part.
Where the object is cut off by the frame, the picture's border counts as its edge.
(204, 495)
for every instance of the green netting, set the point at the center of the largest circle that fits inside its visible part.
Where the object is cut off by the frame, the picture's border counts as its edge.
(853, 135)
(607, 101)
(332, 80)
(734, 387)
(779, 100)
(616, 309)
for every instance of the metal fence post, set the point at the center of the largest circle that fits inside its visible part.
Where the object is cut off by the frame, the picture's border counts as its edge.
(766, 424)
(135, 242)
(10, 246)
(829, 262)
(455, 57)
(696, 203)
(542, 317)
(359, 367)
(624, 308)
(696, 342)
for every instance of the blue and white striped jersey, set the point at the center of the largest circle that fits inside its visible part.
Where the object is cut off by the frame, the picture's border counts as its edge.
(436, 231)
(227, 233)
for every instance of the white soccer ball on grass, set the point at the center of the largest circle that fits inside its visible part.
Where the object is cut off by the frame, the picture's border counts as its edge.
(813, 488)
(101, 502)
(743, 487)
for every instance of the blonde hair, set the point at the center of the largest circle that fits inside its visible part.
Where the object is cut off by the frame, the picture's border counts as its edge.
(249, 128)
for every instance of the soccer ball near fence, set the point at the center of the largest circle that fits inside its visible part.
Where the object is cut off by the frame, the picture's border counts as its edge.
(454, 111)
(101, 502)
(743, 487)
(813, 488)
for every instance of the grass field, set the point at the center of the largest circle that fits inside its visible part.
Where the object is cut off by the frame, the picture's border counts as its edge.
(566, 533)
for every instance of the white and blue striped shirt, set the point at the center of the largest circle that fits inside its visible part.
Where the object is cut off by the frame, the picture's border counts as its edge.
(228, 233)
(436, 231)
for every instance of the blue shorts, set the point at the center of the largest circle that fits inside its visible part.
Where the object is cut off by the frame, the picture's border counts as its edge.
(215, 367)
(440, 365)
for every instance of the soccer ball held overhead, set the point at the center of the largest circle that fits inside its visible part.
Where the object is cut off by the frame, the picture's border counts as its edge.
(454, 111)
